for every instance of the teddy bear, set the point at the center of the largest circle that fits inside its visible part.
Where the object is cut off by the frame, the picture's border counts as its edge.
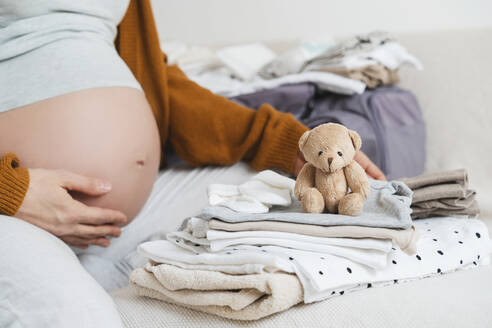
(330, 170)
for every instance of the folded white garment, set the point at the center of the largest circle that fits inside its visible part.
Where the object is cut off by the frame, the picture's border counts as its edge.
(246, 60)
(363, 243)
(371, 258)
(446, 244)
(265, 189)
(221, 82)
(162, 251)
(372, 253)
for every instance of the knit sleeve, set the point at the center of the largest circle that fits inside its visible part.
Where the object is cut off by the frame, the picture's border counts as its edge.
(14, 181)
(206, 128)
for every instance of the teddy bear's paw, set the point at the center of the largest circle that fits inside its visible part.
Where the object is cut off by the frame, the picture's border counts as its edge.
(351, 204)
(312, 201)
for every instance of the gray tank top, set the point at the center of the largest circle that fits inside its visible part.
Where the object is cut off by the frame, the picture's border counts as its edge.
(53, 47)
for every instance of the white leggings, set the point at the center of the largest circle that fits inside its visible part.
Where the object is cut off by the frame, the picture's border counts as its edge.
(44, 284)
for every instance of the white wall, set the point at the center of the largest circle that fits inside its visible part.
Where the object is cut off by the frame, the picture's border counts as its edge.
(235, 21)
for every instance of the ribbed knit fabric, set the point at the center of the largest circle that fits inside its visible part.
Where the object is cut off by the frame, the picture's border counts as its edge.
(203, 128)
(14, 181)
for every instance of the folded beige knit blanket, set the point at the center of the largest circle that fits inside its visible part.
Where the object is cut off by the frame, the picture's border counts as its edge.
(239, 297)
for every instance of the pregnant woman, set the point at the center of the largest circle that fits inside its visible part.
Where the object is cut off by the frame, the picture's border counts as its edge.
(87, 106)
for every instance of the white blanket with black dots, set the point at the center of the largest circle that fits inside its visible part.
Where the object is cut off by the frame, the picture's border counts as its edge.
(446, 244)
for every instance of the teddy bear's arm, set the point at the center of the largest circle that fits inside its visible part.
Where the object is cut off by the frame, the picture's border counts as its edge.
(357, 179)
(305, 179)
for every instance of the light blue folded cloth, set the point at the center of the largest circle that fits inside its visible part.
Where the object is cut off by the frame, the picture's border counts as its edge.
(388, 206)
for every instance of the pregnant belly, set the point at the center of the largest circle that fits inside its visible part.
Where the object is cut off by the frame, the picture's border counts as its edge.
(107, 133)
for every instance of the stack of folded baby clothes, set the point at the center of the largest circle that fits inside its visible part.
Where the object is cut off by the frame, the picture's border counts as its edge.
(442, 193)
(254, 252)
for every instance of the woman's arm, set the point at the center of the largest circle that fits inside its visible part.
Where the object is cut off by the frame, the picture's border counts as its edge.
(206, 128)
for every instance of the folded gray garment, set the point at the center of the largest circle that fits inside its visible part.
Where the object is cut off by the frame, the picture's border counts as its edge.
(439, 191)
(447, 203)
(471, 211)
(388, 206)
(459, 176)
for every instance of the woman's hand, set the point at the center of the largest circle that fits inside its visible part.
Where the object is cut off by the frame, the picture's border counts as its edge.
(48, 205)
(299, 163)
(371, 169)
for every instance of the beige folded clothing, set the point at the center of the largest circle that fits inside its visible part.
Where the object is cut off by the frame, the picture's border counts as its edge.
(239, 297)
(459, 176)
(406, 239)
(446, 190)
(471, 211)
(443, 193)
(448, 203)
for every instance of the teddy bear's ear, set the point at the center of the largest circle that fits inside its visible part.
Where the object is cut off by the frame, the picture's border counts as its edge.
(356, 140)
(303, 139)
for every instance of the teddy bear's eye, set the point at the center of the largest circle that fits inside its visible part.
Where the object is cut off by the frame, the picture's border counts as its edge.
(340, 153)
(320, 152)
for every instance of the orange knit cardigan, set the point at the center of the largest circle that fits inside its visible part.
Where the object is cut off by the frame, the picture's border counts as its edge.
(201, 127)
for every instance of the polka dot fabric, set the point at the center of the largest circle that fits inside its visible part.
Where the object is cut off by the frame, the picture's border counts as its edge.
(438, 251)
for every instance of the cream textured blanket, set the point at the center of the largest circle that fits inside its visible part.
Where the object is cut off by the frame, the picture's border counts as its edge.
(239, 297)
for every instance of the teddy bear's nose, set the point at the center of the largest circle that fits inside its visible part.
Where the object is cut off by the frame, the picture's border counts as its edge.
(330, 159)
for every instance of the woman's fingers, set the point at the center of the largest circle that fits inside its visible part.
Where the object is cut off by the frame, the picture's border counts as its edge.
(99, 216)
(86, 185)
(371, 169)
(90, 231)
(299, 163)
(85, 242)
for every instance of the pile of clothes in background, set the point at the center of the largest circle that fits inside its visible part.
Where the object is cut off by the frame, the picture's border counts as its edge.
(253, 252)
(351, 82)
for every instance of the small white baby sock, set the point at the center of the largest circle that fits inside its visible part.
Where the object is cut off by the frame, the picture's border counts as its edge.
(265, 189)
(245, 204)
(275, 179)
(265, 193)
(218, 193)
